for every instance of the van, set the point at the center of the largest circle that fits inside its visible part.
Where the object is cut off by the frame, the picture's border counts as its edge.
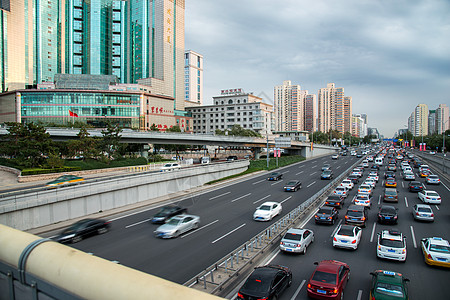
(379, 161)
(356, 215)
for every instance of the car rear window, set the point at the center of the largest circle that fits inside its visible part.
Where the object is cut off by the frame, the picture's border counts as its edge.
(389, 289)
(433, 194)
(325, 277)
(345, 231)
(390, 193)
(257, 284)
(265, 207)
(324, 211)
(424, 209)
(391, 243)
(355, 213)
(292, 236)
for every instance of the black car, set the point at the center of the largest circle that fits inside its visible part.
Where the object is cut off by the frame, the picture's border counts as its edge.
(275, 176)
(387, 215)
(335, 201)
(232, 158)
(266, 282)
(389, 174)
(167, 212)
(415, 186)
(356, 215)
(353, 178)
(293, 186)
(327, 174)
(83, 229)
(326, 214)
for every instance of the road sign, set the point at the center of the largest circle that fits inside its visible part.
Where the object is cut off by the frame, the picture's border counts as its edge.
(282, 142)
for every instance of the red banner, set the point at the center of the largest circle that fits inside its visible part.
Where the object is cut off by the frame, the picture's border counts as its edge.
(72, 114)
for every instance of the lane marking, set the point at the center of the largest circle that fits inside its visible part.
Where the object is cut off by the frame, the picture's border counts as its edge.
(261, 199)
(215, 197)
(299, 173)
(286, 199)
(277, 182)
(311, 184)
(402, 185)
(312, 173)
(437, 207)
(185, 235)
(335, 228)
(134, 224)
(445, 186)
(338, 167)
(298, 290)
(241, 197)
(359, 295)
(258, 181)
(406, 201)
(286, 172)
(315, 166)
(379, 199)
(228, 233)
(373, 231)
(413, 237)
(301, 166)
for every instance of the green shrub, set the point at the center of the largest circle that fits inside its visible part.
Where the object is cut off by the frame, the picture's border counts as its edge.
(37, 171)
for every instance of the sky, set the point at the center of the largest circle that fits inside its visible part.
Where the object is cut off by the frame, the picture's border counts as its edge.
(388, 55)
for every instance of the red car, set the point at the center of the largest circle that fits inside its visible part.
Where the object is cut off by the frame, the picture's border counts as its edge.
(328, 280)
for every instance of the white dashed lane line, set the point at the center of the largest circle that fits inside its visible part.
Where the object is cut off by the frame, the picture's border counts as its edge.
(373, 232)
(259, 181)
(406, 201)
(203, 227)
(310, 184)
(218, 196)
(276, 182)
(299, 173)
(298, 289)
(413, 237)
(241, 197)
(225, 235)
(261, 199)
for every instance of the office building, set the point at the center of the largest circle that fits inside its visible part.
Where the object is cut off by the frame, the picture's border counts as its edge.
(442, 118)
(193, 78)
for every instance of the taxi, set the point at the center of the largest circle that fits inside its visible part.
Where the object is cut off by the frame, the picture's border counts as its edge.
(390, 182)
(64, 181)
(388, 285)
(424, 173)
(436, 251)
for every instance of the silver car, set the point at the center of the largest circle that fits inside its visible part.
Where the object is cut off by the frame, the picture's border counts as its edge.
(423, 212)
(296, 240)
(177, 225)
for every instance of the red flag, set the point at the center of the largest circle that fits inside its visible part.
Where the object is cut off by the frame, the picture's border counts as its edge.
(72, 114)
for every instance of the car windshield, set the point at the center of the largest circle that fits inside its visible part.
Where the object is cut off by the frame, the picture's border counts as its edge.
(292, 236)
(433, 177)
(345, 231)
(440, 248)
(264, 207)
(326, 172)
(174, 221)
(274, 174)
(325, 277)
(432, 194)
(165, 211)
(391, 243)
(167, 165)
(424, 209)
(74, 227)
(389, 289)
(390, 193)
(292, 183)
(324, 211)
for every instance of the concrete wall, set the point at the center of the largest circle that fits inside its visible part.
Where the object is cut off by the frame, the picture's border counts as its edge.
(47, 207)
(319, 150)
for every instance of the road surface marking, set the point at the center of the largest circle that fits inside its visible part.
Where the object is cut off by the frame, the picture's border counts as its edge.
(215, 197)
(185, 235)
(258, 181)
(338, 167)
(277, 182)
(413, 237)
(373, 231)
(286, 172)
(379, 199)
(241, 197)
(311, 184)
(313, 173)
(402, 185)
(261, 199)
(445, 186)
(134, 224)
(228, 233)
(313, 167)
(437, 207)
(286, 199)
(298, 290)
(406, 201)
(301, 166)
(335, 229)
(299, 173)
(359, 295)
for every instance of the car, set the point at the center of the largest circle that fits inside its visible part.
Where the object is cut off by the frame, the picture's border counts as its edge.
(326, 167)
(391, 167)
(359, 155)
(344, 153)
(433, 179)
(177, 225)
(389, 174)
(341, 191)
(347, 236)
(424, 173)
(432, 152)
(232, 158)
(390, 182)
(390, 195)
(167, 212)
(391, 244)
(335, 201)
(423, 212)
(335, 156)
(296, 240)
(170, 167)
(408, 176)
(266, 282)
(83, 229)
(365, 163)
(292, 186)
(326, 214)
(358, 172)
(347, 183)
(64, 180)
(365, 189)
(427, 196)
(436, 251)
(328, 280)
(356, 215)
(362, 200)
(373, 177)
(388, 285)
(267, 211)
(387, 214)
(415, 186)
(327, 174)
(423, 167)
(375, 166)
(353, 178)
(275, 176)
(371, 182)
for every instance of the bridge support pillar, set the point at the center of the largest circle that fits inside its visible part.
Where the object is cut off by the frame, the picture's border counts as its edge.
(256, 152)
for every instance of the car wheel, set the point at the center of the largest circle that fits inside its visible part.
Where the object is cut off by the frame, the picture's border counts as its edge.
(195, 225)
(332, 222)
(177, 233)
(312, 240)
(102, 230)
(76, 239)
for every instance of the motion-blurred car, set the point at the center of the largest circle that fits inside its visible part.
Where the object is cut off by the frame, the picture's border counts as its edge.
(353, 178)
(64, 180)
(328, 280)
(292, 186)
(409, 176)
(391, 245)
(166, 212)
(347, 236)
(326, 167)
(431, 197)
(170, 167)
(296, 240)
(436, 251)
(267, 211)
(365, 189)
(433, 179)
(371, 182)
(267, 282)
(388, 285)
(177, 225)
(415, 186)
(275, 176)
(327, 215)
(423, 212)
(389, 174)
(327, 174)
(424, 173)
(335, 156)
(83, 229)
(334, 201)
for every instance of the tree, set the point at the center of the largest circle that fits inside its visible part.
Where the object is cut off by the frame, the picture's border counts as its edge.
(111, 140)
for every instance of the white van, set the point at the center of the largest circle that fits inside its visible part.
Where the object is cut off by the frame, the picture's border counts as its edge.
(379, 161)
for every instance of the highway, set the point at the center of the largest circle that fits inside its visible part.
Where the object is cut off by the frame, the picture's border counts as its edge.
(226, 222)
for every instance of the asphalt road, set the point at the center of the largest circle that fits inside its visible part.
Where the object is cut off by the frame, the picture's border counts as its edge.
(426, 282)
(226, 222)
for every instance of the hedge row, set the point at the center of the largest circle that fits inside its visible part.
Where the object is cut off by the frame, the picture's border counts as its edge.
(47, 171)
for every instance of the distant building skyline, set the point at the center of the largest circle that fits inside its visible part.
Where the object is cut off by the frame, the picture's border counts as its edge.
(193, 77)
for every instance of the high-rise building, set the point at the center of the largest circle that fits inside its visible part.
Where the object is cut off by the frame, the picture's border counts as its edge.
(193, 77)
(442, 118)
(432, 122)
(310, 112)
(139, 41)
(359, 125)
(348, 114)
(334, 109)
(289, 107)
(421, 120)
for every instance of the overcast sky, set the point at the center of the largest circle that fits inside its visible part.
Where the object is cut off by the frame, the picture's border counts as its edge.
(389, 55)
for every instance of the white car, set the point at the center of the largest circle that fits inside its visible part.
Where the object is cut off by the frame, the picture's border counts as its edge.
(296, 240)
(335, 156)
(431, 197)
(347, 183)
(347, 236)
(177, 225)
(363, 200)
(341, 191)
(436, 251)
(433, 179)
(365, 189)
(170, 167)
(391, 245)
(373, 177)
(267, 211)
(370, 158)
(409, 176)
(365, 163)
(371, 182)
(357, 172)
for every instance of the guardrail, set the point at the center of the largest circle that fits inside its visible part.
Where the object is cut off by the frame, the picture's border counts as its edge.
(216, 277)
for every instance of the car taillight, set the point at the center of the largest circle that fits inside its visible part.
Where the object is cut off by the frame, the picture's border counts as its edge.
(346, 217)
(432, 215)
(403, 251)
(309, 285)
(281, 243)
(335, 291)
(417, 214)
(354, 242)
(240, 296)
(334, 239)
(363, 218)
(379, 247)
(316, 216)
